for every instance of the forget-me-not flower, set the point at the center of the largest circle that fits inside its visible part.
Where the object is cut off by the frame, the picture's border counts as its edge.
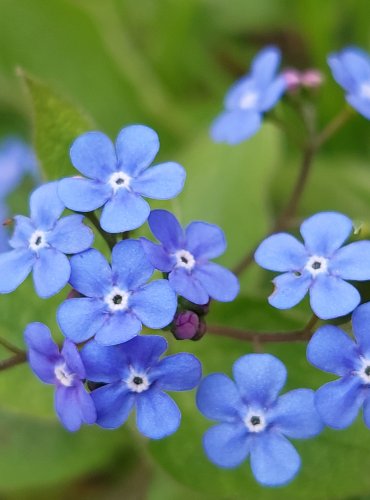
(351, 69)
(185, 256)
(135, 376)
(333, 351)
(321, 265)
(118, 177)
(41, 242)
(250, 97)
(254, 420)
(117, 299)
(74, 406)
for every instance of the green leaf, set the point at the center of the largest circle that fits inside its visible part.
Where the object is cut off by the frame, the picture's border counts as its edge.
(56, 123)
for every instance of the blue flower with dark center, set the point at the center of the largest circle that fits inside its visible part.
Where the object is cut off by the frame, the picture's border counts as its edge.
(250, 97)
(351, 69)
(135, 376)
(185, 256)
(117, 299)
(333, 351)
(254, 421)
(73, 405)
(118, 177)
(320, 266)
(40, 243)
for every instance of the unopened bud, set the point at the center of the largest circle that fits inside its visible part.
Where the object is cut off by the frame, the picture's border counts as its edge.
(202, 328)
(185, 325)
(312, 78)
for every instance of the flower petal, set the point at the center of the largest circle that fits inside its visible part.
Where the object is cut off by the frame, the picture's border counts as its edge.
(367, 412)
(179, 372)
(93, 155)
(331, 297)
(104, 363)
(70, 235)
(91, 274)
(235, 126)
(72, 358)
(142, 352)
(360, 325)
(357, 63)
(227, 445)
(154, 304)
(157, 256)
(23, 231)
(161, 182)
(295, 415)
(136, 147)
(43, 352)
(113, 403)
(339, 402)
(352, 262)
(340, 73)
(289, 290)
(118, 327)
(205, 240)
(15, 266)
(83, 195)
(325, 232)
(79, 319)
(259, 378)
(281, 252)
(220, 283)
(361, 104)
(166, 229)
(218, 398)
(272, 94)
(274, 460)
(157, 415)
(130, 265)
(331, 350)
(265, 65)
(123, 212)
(74, 406)
(46, 206)
(186, 285)
(51, 272)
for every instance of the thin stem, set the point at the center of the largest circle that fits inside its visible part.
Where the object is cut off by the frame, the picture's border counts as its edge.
(109, 238)
(332, 127)
(10, 347)
(17, 359)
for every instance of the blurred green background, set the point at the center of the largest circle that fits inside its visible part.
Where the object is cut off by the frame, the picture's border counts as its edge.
(167, 64)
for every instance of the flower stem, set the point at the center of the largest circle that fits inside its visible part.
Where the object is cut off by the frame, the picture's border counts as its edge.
(10, 347)
(17, 359)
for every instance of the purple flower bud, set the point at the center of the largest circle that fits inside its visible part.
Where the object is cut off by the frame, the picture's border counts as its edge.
(292, 78)
(186, 325)
(312, 78)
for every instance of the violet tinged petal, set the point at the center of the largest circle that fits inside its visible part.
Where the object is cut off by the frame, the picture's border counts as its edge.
(113, 403)
(136, 147)
(166, 228)
(219, 399)
(361, 104)
(274, 460)
(157, 415)
(235, 126)
(331, 297)
(186, 285)
(91, 274)
(123, 212)
(220, 283)
(157, 256)
(142, 352)
(265, 65)
(339, 402)
(154, 304)
(130, 265)
(179, 372)
(72, 358)
(67, 407)
(83, 195)
(161, 182)
(367, 411)
(227, 445)
(117, 328)
(272, 94)
(281, 252)
(24, 228)
(79, 319)
(46, 206)
(70, 235)
(86, 405)
(51, 272)
(43, 353)
(93, 155)
(105, 363)
(360, 324)
(331, 350)
(259, 378)
(289, 290)
(205, 240)
(15, 266)
(325, 232)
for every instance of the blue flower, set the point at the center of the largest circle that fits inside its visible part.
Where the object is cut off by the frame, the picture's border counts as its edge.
(333, 351)
(255, 421)
(73, 405)
(40, 243)
(117, 299)
(250, 97)
(320, 265)
(118, 177)
(184, 255)
(135, 376)
(351, 69)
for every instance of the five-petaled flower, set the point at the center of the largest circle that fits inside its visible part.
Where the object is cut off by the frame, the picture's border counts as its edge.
(320, 265)
(41, 242)
(117, 299)
(351, 69)
(74, 406)
(250, 97)
(333, 351)
(254, 420)
(119, 176)
(134, 375)
(184, 255)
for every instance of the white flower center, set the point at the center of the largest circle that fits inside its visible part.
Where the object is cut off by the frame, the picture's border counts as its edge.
(365, 90)
(117, 299)
(248, 100)
(317, 265)
(119, 180)
(255, 421)
(37, 240)
(137, 382)
(364, 372)
(63, 375)
(184, 259)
